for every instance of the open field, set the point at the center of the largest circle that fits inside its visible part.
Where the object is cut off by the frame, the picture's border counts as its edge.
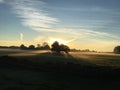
(101, 59)
(43, 70)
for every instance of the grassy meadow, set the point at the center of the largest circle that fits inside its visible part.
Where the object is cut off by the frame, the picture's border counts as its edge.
(44, 70)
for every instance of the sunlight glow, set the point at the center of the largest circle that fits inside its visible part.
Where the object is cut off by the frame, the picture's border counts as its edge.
(61, 41)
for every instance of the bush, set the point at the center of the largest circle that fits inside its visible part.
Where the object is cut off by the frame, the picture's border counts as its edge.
(58, 48)
(117, 49)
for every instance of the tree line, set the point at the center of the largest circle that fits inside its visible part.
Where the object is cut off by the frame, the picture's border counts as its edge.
(45, 46)
(55, 47)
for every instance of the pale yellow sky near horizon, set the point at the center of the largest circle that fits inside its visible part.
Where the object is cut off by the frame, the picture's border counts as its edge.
(98, 46)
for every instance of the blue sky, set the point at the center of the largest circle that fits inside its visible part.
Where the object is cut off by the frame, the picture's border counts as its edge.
(81, 24)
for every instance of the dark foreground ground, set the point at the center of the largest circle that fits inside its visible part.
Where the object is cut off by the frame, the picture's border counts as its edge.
(23, 74)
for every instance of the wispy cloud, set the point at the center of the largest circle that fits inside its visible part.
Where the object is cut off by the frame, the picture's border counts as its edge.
(40, 39)
(77, 33)
(90, 9)
(1, 1)
(71, 40)
(31, 16)
(21, 37)
(84, 36)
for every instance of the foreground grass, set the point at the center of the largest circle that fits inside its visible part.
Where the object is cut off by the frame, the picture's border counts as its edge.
(47, 71)
(88, 58)
(99, 59)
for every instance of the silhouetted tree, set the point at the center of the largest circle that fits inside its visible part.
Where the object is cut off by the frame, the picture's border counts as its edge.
(38, 46)
(46, 46)
(58, 48)
(22, 46)
(64, 48)
(87, 50)
(117, 49)
(31, 47)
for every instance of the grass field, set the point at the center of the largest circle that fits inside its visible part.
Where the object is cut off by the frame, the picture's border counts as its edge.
(43, 70)
(43, 56)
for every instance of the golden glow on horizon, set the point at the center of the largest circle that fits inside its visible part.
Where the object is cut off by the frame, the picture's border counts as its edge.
(61, 41)
(94, 45)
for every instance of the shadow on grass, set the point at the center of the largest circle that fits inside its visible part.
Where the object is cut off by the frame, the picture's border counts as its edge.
(58, 72)
(55, 58)
(50, 62)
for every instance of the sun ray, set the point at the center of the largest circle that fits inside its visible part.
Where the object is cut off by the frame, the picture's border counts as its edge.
(61, 41)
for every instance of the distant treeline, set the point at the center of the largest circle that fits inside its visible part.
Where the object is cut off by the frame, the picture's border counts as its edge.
(44, 46)
(85, 50)
(12, 47)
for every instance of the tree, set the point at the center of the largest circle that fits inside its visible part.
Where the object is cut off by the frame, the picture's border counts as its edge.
(46, 46)
(22, 46)
(117, 49)
(38, 46)
(58, 48)
(31, 47)
(64, 48)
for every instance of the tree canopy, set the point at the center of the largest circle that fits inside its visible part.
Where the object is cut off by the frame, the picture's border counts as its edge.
(56, 47)
(117, 49)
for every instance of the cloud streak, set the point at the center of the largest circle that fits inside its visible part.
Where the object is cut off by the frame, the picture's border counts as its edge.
(31, 16)
(1, 1)
(40, 20)
(77, 33)
(21, 37)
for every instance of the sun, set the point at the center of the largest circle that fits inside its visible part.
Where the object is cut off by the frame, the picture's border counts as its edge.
(61, 41)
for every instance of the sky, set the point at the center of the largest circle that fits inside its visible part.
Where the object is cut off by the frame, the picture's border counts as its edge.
(81, 24)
